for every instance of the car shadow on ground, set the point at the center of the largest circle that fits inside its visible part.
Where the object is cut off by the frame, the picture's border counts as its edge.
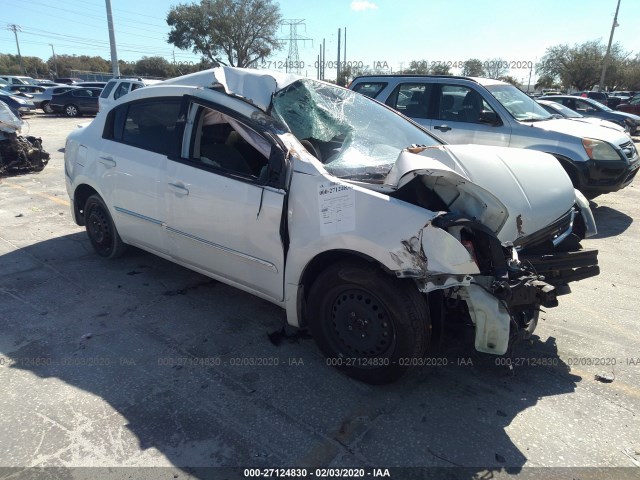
(192, 379)
(609, 221)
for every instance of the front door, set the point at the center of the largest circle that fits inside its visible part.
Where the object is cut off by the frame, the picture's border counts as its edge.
(223, 217)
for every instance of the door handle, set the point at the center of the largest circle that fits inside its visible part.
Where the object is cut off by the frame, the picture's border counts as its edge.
(108, 162)
(178, 189)
(442, 128)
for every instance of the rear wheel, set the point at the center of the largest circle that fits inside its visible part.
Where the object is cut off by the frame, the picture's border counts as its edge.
(371, 326)
(71, 110)
(101, 230)
(46, 108)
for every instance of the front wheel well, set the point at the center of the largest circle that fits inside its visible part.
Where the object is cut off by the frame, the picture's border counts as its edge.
(318, 264)
(80, 197)
(570, 168)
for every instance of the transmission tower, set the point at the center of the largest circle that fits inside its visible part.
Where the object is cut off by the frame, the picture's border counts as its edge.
(294, 65)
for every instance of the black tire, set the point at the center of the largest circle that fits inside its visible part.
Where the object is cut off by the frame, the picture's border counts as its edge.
(46, 108)
(101, 230)
(368, 324)
(71, 110)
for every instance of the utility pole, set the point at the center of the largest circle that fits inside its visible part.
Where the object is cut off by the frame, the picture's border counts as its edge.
(55, 60)
(338, 67)
(606, 56)
(115, 68)
(323, 58)
(15, 28)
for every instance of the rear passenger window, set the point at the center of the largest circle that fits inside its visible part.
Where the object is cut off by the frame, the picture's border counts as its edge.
(107, 89)
(122, 89)
(411, 99)
(148, 124)
(370, 89)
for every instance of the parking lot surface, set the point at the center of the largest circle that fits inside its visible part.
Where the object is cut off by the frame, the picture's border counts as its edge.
(138, 362)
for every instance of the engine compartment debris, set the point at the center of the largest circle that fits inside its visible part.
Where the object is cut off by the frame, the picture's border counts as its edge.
(18, 154)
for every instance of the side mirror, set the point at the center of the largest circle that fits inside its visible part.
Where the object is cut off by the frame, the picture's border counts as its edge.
(490, 118)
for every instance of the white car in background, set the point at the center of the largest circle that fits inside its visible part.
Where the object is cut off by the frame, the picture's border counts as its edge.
(355, 220)
(118, 87)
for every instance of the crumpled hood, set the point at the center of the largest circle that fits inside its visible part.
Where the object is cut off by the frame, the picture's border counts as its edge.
(581, 130)
(514, 192)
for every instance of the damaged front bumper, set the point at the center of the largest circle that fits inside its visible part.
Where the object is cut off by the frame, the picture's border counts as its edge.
(512, 282)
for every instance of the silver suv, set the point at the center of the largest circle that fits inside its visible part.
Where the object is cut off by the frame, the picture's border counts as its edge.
(463, 110)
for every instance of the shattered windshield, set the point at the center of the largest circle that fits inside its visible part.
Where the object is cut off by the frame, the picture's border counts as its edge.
(353, 136)
(518, 103)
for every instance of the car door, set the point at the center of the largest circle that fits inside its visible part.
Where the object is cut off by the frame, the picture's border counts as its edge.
(461, 115)
(223, 216)
(138, 138)
(82, 98)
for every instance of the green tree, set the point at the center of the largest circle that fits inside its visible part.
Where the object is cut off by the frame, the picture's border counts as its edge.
(33, 66)
(440, 69)
(473, 68)
(243, 31)
(67, 63)
(155, 67)
(417, 67)
(510, 79)
(496, 68)
(580, 66)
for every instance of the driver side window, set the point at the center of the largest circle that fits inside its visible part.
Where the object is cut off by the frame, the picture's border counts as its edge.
(222, 142)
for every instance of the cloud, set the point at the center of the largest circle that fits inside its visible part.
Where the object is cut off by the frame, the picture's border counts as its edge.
(359, 5)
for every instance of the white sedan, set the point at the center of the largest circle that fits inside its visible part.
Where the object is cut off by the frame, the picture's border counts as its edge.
(366, 228)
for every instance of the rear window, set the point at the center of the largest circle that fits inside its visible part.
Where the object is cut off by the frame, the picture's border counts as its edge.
(147, 124)
(370, 89)
(107, 89)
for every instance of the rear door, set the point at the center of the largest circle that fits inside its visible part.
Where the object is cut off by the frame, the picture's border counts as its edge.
(138, 138)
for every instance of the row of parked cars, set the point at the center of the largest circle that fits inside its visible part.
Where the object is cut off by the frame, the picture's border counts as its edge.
(71, 97)
(377, 223)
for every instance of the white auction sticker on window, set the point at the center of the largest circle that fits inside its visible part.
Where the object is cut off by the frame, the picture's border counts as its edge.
(337, 208)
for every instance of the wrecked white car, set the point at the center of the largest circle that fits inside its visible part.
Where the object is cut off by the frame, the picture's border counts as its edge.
(362, 225)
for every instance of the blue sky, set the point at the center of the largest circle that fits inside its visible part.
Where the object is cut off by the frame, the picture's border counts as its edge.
(391, 32)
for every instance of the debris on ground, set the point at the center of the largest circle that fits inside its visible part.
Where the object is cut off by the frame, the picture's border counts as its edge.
(278, 336)
(18, 153)
(605, 377)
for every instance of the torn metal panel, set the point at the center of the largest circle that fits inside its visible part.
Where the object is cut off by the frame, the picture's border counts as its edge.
(490, 317)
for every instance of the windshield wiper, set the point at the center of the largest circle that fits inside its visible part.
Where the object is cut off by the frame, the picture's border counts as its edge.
(536, 119)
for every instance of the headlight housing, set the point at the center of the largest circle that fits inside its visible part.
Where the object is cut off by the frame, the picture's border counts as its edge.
(599, 150)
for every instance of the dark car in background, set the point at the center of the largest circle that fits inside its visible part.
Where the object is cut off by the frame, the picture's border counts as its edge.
(76, 102)
(557, 109)
(631, 106)
(67, 80)
(601, 97)
(90, 84)
(18, 105)
(41, 100)
(593, 108)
